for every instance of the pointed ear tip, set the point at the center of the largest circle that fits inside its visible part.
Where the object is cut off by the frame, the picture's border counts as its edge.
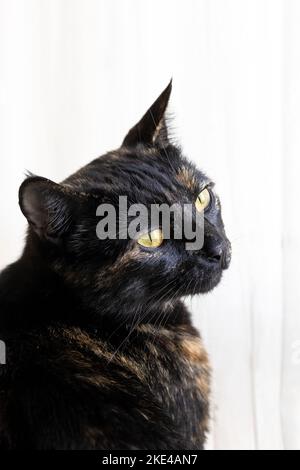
(167, 92)
(169, 87)
(146, 128)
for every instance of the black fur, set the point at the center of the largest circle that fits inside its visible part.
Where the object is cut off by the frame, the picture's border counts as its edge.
(101, 352)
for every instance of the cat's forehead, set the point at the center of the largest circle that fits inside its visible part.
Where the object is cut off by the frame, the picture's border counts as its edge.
(144, 174)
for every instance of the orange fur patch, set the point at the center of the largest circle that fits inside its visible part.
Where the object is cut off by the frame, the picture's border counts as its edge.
(193, 350)
(187, 178)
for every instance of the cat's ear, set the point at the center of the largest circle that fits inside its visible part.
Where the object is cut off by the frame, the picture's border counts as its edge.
(152, 128)
(47, 206)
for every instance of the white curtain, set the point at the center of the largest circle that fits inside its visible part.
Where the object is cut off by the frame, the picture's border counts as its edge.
(76, 74)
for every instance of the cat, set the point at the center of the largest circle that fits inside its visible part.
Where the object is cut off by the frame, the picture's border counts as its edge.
(101, 352)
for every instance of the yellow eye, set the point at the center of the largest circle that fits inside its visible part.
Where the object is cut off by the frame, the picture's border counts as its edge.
(202, 200)
(152, 239)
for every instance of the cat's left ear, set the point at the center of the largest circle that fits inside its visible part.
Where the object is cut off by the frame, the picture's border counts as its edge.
(152, 128)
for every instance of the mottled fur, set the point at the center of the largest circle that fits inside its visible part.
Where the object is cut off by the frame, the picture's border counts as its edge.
(101, 352)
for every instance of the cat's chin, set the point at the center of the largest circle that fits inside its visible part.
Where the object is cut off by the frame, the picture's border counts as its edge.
(211, 283)
(204, 281)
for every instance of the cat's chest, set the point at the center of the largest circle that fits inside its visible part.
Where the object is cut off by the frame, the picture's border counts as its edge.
(178, 372)
(162, 376)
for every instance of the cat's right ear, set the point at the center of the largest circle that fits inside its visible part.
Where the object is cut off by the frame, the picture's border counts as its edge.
(152, 129)
(47, 207)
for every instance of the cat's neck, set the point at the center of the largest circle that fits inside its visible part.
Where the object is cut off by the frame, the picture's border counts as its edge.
(27, 291)
(32, 294)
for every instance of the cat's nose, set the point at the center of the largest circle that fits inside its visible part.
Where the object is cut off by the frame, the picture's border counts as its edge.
(219, 253)
(226, 256)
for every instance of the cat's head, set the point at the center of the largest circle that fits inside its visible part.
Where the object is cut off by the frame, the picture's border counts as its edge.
(147, 169)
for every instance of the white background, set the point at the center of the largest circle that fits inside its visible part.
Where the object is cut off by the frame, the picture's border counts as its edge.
(76, 74)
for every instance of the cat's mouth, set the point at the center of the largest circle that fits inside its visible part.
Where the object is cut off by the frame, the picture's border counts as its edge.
(208, 278)
(209, 267)
(204, 276)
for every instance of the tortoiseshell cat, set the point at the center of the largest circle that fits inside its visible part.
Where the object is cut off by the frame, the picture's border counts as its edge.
(101, 351)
